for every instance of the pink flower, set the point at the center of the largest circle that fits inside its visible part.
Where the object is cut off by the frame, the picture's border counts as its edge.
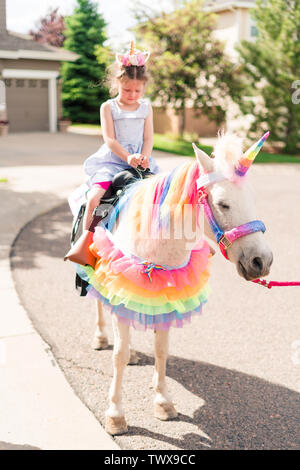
(126, 60)
(141, 59)
(133, 59)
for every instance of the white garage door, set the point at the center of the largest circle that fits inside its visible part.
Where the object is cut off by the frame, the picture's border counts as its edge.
(27, 104)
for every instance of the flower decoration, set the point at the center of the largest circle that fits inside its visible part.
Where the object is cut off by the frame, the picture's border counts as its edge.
(133, 57)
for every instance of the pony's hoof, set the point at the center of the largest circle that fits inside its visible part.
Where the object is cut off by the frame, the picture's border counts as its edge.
(133, 358)
(165, 411)
(115, 426)
(99, 342)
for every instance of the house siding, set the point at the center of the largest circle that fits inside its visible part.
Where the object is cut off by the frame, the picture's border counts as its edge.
(28, 64)
(2, 17)
(168, 122)
(245, 25)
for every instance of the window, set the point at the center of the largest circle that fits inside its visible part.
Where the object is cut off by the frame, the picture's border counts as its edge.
(254, 31)
(44, 83)
(253, 28)
(20, 82)
(32, 83)
(7, 82)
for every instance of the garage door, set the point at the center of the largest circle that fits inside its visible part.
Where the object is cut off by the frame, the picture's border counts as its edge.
(27, 104)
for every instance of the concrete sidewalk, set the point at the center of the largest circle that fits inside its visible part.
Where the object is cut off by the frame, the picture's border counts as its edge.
(38, 408)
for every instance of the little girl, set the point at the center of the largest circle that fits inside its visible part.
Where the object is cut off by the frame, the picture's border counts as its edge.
(127, 129)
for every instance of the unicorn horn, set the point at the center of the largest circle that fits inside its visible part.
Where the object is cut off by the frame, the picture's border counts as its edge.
(249, 156)
(132, 48)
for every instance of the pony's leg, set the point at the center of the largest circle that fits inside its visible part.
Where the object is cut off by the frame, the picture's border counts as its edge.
(100, 340)
(133, 358)
(163, 406)
(115, 420)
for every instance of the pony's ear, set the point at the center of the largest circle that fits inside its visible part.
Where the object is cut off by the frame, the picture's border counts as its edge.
(205, 162)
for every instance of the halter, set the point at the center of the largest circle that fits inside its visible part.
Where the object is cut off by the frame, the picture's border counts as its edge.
(225, 239)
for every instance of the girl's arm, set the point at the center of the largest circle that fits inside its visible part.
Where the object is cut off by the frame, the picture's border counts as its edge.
(108, 132)
(148, 135)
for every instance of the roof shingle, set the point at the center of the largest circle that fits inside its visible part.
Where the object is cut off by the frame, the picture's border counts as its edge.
(13, 42)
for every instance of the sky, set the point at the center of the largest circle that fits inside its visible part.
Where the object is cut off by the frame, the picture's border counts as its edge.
(23, 14)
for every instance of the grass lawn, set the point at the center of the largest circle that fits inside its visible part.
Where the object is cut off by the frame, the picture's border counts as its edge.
(3, 180)
(176, 146)
(86, 126)
(183, 147)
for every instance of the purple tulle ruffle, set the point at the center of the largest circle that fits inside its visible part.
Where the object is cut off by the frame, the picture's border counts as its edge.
(141, 321)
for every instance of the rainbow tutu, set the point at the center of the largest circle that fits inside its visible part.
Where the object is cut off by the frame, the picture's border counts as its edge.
(142, 294)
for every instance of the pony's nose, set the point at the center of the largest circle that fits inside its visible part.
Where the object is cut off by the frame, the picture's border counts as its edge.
(256, 267)
(257, 264)
(260, 266)
(253, 268)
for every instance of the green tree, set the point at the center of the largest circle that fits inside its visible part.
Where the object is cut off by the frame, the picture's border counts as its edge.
(83, 88)
(188, 65)
(271, 66)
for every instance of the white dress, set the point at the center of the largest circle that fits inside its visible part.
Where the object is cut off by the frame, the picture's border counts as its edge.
(129, 132)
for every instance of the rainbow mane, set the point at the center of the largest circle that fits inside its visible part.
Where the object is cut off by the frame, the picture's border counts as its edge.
(161, 198)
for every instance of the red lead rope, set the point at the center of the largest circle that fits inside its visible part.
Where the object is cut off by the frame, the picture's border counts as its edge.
(270, 284)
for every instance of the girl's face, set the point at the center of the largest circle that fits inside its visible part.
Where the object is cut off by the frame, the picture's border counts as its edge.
(130, 91)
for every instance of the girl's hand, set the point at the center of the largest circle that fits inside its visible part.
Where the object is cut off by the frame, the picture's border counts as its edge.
(144, 161)
(134, 159)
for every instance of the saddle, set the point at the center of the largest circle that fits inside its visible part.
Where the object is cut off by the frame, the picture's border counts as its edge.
(79, 252)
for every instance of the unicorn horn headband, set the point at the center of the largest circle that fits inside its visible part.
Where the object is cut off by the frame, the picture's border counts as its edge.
(249, 156)
(132, 57)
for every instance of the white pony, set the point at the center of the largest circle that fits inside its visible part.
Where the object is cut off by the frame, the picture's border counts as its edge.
(139, 257)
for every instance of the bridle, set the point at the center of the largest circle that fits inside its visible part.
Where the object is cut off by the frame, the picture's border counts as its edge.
(223, 238)
(226, 238)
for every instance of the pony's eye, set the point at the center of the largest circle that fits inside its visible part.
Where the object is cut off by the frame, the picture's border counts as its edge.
(223, 205)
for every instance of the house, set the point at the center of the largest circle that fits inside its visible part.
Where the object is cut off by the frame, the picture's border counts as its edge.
(29, 80)
(233, 24)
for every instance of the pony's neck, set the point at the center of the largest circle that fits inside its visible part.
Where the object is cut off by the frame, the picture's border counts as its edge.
(160, 223)
(170, 246)
(168, 251)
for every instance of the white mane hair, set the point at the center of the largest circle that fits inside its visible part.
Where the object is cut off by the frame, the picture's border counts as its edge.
(228, 151)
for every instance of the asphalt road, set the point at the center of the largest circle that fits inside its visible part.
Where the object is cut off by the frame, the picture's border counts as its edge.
(234, 373)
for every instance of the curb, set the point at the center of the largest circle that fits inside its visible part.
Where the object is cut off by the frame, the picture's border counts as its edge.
(38, 407)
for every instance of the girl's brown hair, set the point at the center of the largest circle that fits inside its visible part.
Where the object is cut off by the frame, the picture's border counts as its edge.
(124, 73)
